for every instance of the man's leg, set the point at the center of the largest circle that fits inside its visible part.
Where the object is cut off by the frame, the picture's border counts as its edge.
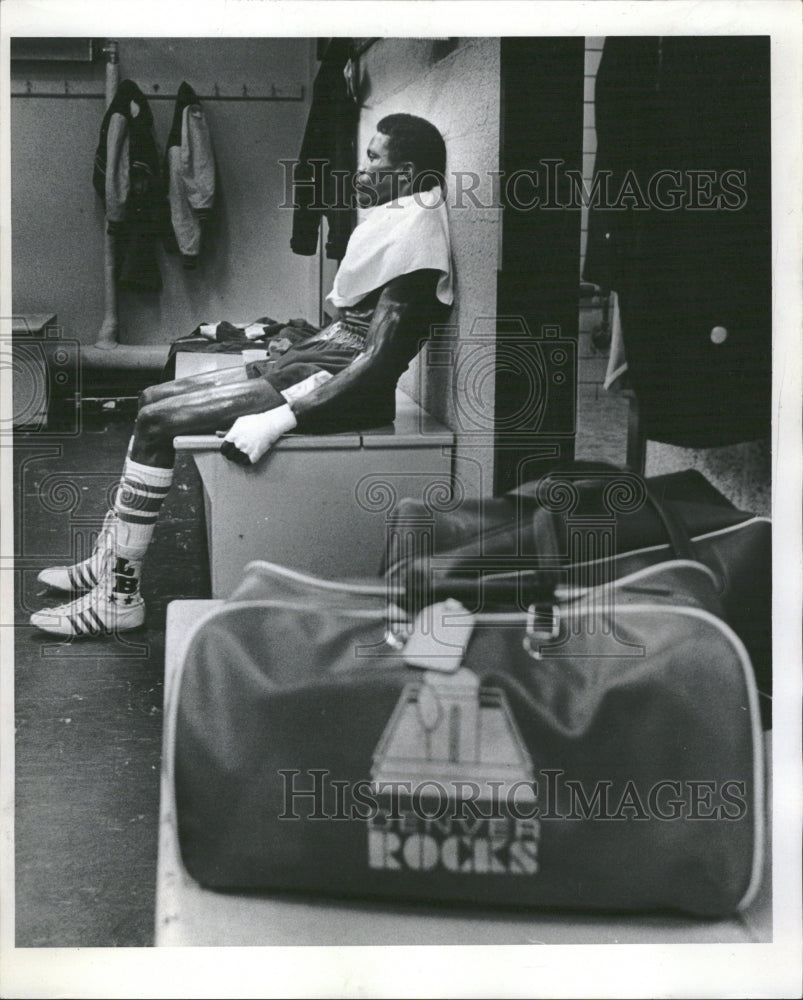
(114, 571)
(191, 383)
(86, 574)
(201, 410)
(178, 387)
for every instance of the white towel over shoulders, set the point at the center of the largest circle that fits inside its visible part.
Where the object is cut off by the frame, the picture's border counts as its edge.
(405, 235)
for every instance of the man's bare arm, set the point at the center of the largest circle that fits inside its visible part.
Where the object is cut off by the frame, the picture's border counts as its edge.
(405, 305)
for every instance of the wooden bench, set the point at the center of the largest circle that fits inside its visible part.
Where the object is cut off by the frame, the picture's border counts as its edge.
(187, 914)
(318, 503)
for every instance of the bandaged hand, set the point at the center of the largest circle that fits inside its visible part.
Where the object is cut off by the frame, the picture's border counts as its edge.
(253, 435)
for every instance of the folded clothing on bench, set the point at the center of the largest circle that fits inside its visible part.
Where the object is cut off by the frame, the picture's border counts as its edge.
(231, 338)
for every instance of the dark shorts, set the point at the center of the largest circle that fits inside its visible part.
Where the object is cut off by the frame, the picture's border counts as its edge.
(331, 350)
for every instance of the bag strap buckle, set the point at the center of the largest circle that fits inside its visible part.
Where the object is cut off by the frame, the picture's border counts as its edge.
(542, 625)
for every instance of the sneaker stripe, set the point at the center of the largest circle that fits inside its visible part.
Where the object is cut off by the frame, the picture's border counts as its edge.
(72, 576)
(91, 614)
(87, 622)
(81, 574)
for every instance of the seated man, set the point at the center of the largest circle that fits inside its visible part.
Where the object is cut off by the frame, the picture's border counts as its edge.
(393, 283)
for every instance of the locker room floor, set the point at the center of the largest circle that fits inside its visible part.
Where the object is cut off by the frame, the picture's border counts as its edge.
(89, 713)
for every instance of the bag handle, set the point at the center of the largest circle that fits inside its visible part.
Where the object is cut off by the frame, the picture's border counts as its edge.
(677, 535)
(464, 577)
(679, 539)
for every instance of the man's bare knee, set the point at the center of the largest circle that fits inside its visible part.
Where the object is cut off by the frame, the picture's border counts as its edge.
(146, 397)
(153, 425)
(156, 393)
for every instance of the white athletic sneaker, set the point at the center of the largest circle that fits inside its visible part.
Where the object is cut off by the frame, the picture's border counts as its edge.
(89, 573)
(97, 612)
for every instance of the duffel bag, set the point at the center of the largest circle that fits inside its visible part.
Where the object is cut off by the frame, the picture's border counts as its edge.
(588, 521)
(599, 751)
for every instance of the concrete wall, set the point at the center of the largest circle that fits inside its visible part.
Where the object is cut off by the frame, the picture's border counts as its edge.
(57, 219)
(455, 85)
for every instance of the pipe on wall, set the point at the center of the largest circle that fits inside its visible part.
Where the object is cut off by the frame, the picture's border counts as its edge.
(112, 354)
(108, 352)
(109, 334)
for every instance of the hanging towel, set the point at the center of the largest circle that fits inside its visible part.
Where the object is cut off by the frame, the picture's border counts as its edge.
(126, 176)
(190, 168)
(408, 234)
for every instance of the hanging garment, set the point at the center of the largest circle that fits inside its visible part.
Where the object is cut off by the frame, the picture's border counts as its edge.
(126, 176)
(190, 169)
(683, 146)
(328, 147)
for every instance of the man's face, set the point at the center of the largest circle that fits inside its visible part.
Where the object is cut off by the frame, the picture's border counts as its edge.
(379, 179)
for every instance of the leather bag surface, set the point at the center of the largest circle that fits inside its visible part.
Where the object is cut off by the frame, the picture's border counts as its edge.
(597, 751)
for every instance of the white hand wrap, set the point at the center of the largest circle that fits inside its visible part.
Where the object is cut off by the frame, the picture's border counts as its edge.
(258, 432)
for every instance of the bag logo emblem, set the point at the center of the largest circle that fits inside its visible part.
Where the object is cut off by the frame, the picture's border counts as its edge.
(454, 783)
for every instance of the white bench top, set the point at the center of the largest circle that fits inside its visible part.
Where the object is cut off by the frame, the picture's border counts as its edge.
(32, 323)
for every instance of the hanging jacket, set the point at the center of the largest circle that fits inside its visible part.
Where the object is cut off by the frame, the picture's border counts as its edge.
(693, 281)
(126, 176)
(328, 146)
(190, 169)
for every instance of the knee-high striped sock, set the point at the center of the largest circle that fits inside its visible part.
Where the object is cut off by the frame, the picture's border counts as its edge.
(139, 499)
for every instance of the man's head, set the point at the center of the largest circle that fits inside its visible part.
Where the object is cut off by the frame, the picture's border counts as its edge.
(407, 155)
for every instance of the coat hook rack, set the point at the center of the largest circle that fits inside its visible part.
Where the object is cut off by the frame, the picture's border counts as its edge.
(274, 95)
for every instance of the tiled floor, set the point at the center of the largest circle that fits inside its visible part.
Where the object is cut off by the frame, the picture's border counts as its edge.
(601, 415)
